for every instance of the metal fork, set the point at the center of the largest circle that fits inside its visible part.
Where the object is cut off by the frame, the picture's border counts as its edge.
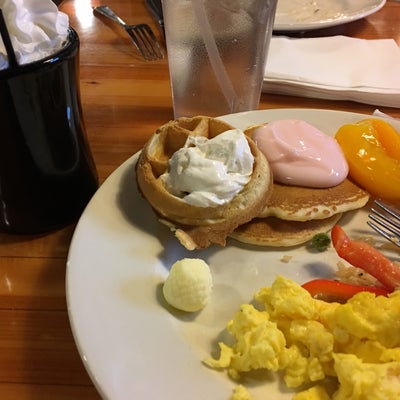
(386, 223)
(141, 34)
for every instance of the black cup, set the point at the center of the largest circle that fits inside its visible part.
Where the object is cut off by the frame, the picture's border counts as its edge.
(47, 173)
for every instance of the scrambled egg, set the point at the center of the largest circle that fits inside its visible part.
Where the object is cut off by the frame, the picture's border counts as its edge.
(311, 341)
(241, 393)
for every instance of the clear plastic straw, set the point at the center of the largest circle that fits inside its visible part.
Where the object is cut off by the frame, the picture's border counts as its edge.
(12, 59)
(213, 54)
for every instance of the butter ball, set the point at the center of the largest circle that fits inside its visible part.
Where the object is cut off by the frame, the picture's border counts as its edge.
(188, 285)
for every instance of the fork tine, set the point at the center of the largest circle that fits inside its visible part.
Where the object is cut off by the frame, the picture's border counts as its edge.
(149, 41)
(141, 34)
(390, 225)
(389, 210)
(135, 41)
(159, 51)
(377, 221)
(145, 43)
(387, 226)
(392, 238)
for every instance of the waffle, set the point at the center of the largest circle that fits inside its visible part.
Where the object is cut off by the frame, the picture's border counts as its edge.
(198, 227)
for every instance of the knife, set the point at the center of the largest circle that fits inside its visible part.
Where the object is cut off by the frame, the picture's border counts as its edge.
(155, 8)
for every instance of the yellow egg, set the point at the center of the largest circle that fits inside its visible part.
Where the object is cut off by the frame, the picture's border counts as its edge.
(241, 393)
(314, 393)
(309, 340)
(360, 380)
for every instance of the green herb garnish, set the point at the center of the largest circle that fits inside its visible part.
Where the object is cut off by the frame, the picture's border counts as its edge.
(320, 241)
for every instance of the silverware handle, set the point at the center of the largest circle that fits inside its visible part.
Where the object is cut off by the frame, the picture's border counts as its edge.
(107, 12)
(155, 7)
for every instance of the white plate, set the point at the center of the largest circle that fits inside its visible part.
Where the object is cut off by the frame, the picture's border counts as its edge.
(301, 15)
(131, 344)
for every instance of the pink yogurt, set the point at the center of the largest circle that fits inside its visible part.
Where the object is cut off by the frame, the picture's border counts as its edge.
(300, 154)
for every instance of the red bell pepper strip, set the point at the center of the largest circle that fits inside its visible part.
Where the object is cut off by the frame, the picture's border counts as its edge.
(330, 290)
(364, 256)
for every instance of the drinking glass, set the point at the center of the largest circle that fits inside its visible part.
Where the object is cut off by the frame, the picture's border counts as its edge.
(217, 50)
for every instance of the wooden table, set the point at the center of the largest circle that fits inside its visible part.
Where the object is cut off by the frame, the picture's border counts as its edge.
(124, 99)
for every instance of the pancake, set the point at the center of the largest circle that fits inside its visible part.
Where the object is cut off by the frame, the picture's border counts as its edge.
(294, 214)
(194, 226)
(275, 232)
(295, 203)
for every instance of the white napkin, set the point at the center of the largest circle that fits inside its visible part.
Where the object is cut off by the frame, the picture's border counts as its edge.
(37, 29)
(336, 68)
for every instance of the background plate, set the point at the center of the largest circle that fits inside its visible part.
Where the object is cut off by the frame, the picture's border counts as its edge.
(301, 15)
(133, 346)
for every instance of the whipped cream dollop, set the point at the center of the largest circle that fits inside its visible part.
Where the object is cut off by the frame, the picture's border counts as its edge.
(210, 172)
(37, 29)
(300, 154)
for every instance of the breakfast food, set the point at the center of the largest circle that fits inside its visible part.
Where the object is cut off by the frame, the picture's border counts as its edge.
(277, 232)
(327, 338)
(372, 149)
(363, 255)
(188, 285)
(310, 191)
(355, 344)
(299, 203)
(240, 393)
(300, 154)
(294, 214)
(203, 178)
